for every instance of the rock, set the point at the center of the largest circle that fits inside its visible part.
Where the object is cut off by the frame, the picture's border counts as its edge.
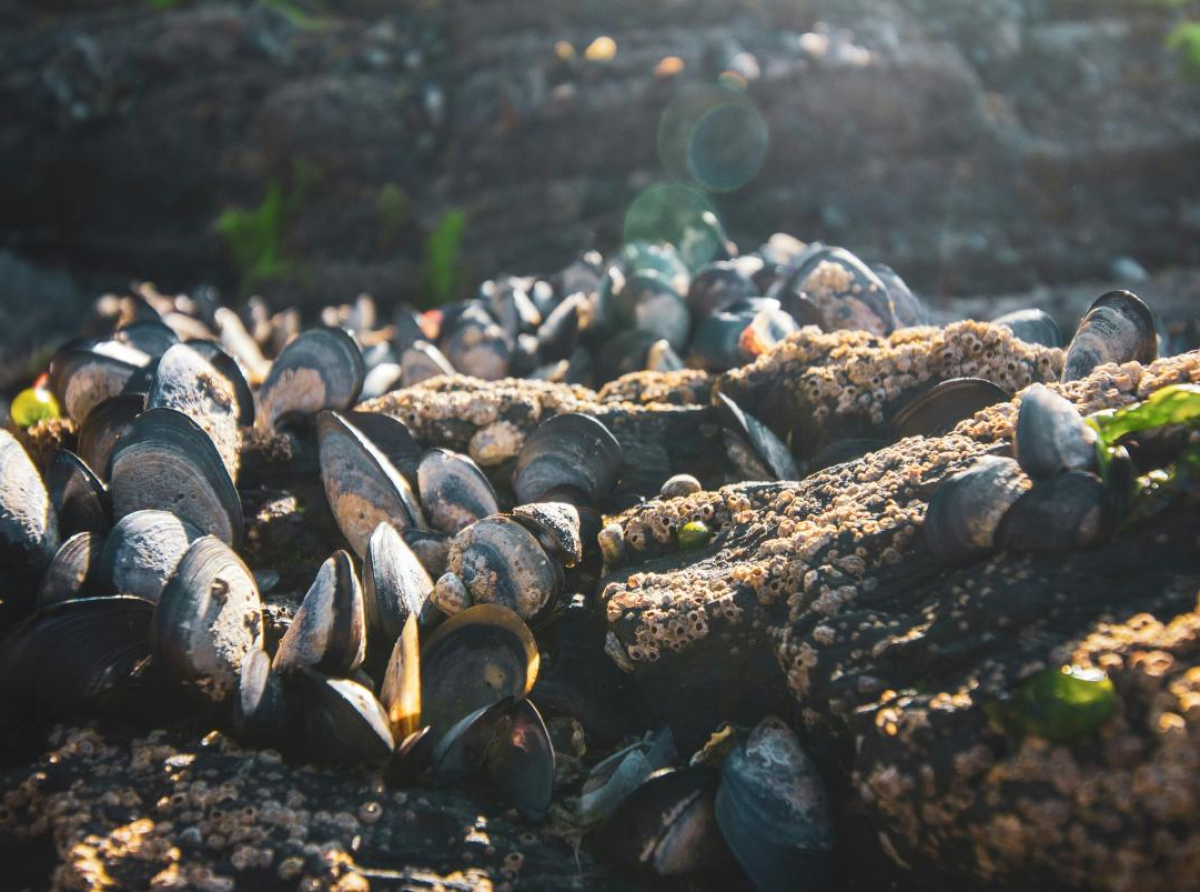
(135, 810)
(819, 598)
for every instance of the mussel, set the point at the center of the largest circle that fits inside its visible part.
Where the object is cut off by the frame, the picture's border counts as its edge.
(501, 562)
(572, 458)
(320, 369)
(1071, 511)
(142, 551)
(454, 492)
(753, 448)
(940, 408)
(187, 382)
(1117, 328)
(395, 586)
(28, 525)
(79, 498)
(1051, 437)
(1033, 326)
(328, 632)
(965, 512)
(74, 572)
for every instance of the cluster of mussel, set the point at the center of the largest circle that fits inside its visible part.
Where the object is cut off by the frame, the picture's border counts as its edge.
(1050, 494)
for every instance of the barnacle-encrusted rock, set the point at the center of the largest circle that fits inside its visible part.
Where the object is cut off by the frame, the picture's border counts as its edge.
(168, 810)
(686, 387)
(826, 586)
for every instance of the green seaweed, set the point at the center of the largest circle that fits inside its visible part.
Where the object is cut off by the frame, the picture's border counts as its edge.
(1176, 404)
(443, 275)
(1062, 705)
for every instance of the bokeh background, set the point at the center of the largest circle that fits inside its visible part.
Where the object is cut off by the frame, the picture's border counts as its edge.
(309, 151)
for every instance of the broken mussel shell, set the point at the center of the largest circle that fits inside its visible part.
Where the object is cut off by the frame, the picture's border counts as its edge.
(474, 659)
(754, 449)
(1051, 437)
(571, 457)
(28, 525)
(74, 572)
(208, 620)
(79, 498)
(454, 491)
(509, 742)
(1117, 328)
(328, 632)
(166, 461)
(363, 487)
(942, 407)
(395, 586)
(104, 426)
(667, 827)
(187, 382)
(343, 721)
(772, 809)
(501, 562)
(85, 653)
(320, 369)
(965, 512)
(142, 551)
(1070, 511)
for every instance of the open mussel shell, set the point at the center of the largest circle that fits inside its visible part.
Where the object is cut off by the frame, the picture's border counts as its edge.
(472, 660)
(364, 489)
(392, 437)
(151, 336)
(395, 586)
(421, 361)
(963, 515)
(229, 368)
(83, 375)
(400, 691)
(74, 572)
(753, 447)
(187, 382)
(142, 551)
(209, 618)
(328, 632)
(569, 454)
(1051, 436)
(166, 461)
(79, 498)
(667, 827)
(265, 711)
(83, 653)
(772, 808)
(942, 407)
(1118, 328)
(1070, 511)
(1033, 326)
(557, 526)
(104, 426)
(501, 562)
(343, 722)
(848, 294)
(28, 525)
(319, 369)
(454, 492)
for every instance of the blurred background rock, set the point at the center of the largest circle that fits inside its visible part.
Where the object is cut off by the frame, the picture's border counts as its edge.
(312, 150)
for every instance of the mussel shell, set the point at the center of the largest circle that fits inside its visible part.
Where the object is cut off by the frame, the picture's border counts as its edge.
(320, 369)
(395, 586)
(1051, 436)
(716, 286)
(568, 452)
(150, 336)
(454, 491)
(766, 329)
(717, 342)
(472, 660)
(165, 461)
(432, 548)
(392, 437)
(908, 309)
(422, 361)
(847, 292)
(1033, 326)
(1070, 511)
(264, 711)
(479, 348)
(520, 762)
(343, 722)
(412, 756)
(240, 344)
(557, 527)
(82, 653)
(187, 382)
(617, 776)
(651, 304)
(511, 306)
(209, 618)
(84, 375)
(104, 426)
(1118, 328)
(559, 334)
(667, 826)
(400, 690)
(771, 454)
(364, 489)
(501, 562)
(620, 355)
(79, 498)
(941, 408)
(232, 372)
(74, 572)
(381, 378)
(963, 515)
(28, 525)
(772, 808)
(143, 550)
(328, 631)
(463, 749)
